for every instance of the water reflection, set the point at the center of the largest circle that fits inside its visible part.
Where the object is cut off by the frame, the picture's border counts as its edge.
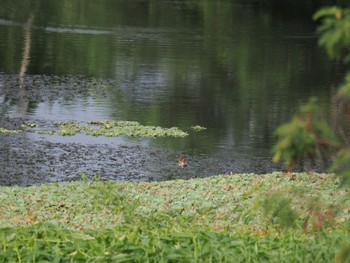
(236, 68)
(23, 103)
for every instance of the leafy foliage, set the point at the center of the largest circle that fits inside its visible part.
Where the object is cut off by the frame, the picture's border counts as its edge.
(335, 28)
(224, 203)
(214, 219)
(279, 206)
(343, 97)
(342, 164)
(295, 143)
(46, 243)
(307, 135)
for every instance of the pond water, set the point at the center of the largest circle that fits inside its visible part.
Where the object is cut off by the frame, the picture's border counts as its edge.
(235, 67)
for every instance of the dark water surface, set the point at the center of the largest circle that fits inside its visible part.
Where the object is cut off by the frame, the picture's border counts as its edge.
(234, 67)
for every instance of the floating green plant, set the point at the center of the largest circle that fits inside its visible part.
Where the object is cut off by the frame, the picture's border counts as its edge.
(198, 128)
(108, 128)
(46, 132)
(6, 131)
(29, 125)
(118, 128)
(70, 128)
(215, 219)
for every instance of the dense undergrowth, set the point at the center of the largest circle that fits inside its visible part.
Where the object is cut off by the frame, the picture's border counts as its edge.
(216, 219)
(53, 244)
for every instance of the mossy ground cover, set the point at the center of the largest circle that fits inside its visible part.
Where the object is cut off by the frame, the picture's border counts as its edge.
(216, 219)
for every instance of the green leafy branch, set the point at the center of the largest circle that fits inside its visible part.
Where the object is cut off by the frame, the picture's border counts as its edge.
(335, 31)
(306, 136)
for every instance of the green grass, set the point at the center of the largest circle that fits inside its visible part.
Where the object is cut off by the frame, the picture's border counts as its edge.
(216, 219)
(53, 244)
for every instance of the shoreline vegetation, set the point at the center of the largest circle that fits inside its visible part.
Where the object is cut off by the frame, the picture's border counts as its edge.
(236, 218)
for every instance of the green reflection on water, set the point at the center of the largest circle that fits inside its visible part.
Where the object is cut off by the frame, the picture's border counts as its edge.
(237, 69)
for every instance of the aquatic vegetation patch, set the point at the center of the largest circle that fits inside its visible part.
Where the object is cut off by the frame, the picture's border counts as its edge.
(132, 129)
(70, 128)
(29, 125)
(6, 131)
(46, 132)
(201, 220)
(222, 202)
(108, 128)
(198, 128)
(118, 128)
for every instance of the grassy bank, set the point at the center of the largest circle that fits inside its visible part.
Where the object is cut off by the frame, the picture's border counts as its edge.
(238, 218)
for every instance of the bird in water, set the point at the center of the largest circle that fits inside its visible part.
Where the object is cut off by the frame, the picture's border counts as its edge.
(182, 162)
